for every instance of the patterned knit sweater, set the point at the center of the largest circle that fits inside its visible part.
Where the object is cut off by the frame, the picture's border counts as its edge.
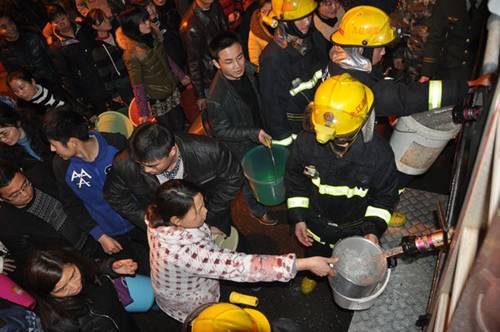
(186, 263)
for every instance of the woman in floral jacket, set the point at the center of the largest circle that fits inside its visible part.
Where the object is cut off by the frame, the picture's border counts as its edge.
(186, 263)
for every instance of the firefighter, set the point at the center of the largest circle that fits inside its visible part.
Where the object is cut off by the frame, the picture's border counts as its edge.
(291, 68)
(340, 178)
(359, 46)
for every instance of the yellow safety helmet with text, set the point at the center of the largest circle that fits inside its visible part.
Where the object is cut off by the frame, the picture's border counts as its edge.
(340, 108)
(226, 317)
(292, 10)
(365, 26)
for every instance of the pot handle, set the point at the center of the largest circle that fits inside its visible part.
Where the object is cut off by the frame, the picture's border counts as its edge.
(392, 262)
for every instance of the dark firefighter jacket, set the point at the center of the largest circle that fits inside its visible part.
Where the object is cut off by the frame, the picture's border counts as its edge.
(362, 185)
(398, 98)
(288, 81)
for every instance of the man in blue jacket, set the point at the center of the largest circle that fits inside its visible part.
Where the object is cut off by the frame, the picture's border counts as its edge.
(80, 167)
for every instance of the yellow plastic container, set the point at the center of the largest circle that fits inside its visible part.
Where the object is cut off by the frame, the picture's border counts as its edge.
(238, 298)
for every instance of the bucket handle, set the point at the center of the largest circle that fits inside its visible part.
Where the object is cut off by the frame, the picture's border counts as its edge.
(402, 131)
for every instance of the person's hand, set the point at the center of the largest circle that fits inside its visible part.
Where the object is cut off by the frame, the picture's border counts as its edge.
(186, 80)
(264, 138)
(318, 265)
(398, 63)
(337, 54)
(109, 245)
(424, 79)
(202, 104)
(373, 238)
(143, 119)
(125, 266)
(9, 265)
(216, 231)
(301, 233)
(483, 80)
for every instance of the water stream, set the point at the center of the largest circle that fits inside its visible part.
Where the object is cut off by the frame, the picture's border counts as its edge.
(272, 160)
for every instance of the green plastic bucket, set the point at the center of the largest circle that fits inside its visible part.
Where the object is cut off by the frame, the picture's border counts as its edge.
(267, 188)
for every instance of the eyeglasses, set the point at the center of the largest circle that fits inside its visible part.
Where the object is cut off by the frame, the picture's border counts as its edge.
(15, 195)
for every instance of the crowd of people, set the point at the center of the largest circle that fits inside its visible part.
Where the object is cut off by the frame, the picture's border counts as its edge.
(80, 207)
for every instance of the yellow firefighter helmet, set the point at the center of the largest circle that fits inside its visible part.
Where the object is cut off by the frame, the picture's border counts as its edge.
(365, 26)
(292, 10)
(340, 108)
(226, 317)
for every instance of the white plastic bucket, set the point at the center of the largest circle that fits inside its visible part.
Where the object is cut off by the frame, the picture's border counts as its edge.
(230, 242)
(416, 146)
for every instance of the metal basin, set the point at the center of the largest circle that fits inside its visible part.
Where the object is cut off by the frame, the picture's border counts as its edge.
(361, 268)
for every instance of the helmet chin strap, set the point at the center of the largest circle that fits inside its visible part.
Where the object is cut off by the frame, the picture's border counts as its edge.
(339, 151)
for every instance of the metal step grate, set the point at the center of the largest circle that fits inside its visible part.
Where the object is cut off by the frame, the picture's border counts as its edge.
(406, 295)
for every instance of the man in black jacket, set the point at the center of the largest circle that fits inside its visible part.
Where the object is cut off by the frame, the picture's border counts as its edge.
(454, 37)
(203, 21)
(72, 54)
(234, 110)
(26, 50)
(155, 156)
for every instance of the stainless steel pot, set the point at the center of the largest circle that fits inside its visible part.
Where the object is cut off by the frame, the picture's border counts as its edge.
(361, 268)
